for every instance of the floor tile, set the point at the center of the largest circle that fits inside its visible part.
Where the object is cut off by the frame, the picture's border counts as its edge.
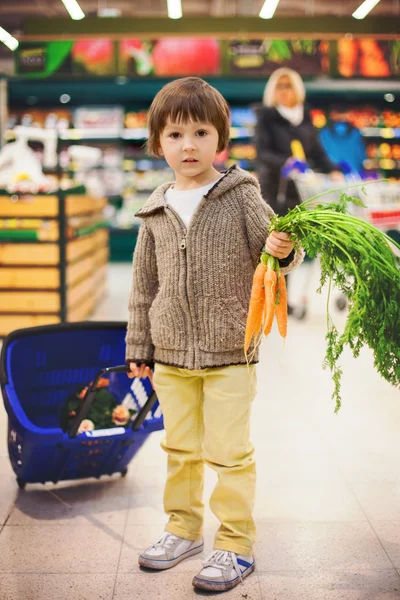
(73, 503)
(340, 585)
(60, 549)
(371, 467)
(319, 547)
(307, 468)
(381, 502)
(3, 433)
(31, 586)
(388, 533)
(306, 502)
(9, 489)
(167, 585)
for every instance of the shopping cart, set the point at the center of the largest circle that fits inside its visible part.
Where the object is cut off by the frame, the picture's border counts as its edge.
(310, 184)
(40, 367)
(382, 206)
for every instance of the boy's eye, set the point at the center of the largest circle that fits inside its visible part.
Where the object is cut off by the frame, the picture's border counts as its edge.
(175, 135)
(202, 133)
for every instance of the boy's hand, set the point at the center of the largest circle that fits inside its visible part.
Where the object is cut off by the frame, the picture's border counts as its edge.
(141, 371)
(278, 244)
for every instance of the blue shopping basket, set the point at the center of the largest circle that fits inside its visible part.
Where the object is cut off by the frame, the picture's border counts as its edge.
(39, 368)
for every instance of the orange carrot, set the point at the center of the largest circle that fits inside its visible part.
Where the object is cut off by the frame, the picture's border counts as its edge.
(256, 307)
(281, 308)
(270, 297)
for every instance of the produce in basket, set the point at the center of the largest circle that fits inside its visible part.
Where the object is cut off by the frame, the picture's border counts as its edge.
(105, 411)
(358, 259)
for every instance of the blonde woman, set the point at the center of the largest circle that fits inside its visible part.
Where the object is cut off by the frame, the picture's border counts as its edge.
(281, 119)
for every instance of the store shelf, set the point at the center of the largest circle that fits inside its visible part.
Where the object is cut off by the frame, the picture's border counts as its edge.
(139, 134)
(46, 281)
(386, 164)
(135, 134)
(381, 132)
(89, 134)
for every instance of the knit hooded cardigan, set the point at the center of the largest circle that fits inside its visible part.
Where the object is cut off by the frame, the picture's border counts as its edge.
(191, 286)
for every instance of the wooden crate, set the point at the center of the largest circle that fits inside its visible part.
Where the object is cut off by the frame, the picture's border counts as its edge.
(29, 302)
(29, 206)
(29, 278)
(29, 254)
(82, 310)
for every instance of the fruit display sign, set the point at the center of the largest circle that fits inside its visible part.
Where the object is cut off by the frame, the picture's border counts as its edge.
(366, 58)
(262, 57)
(170, 57)
(93, 57)
(41, 60)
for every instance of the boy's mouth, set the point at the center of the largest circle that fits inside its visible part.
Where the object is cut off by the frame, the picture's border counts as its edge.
(190, 160)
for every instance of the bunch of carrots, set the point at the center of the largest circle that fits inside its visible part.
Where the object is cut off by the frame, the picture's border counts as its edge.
(355, 257)
(268, 299)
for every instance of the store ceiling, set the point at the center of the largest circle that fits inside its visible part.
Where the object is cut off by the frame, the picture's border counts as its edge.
(13, 13)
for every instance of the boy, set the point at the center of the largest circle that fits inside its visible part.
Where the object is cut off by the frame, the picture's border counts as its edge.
(198, 246)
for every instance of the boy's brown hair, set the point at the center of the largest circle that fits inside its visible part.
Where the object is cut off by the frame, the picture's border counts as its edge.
(184, 100)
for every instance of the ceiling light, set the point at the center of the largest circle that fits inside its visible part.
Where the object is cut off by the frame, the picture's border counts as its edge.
(174, 9)
(7, 39)
(268, 9)
(365, 8)
(75, 11)
(109, 12)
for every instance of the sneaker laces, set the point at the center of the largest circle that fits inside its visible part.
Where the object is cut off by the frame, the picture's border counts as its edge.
(167, 540)
(221, 559)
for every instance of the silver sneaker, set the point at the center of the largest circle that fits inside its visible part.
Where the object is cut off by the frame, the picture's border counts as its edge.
(168, 551)
(223, 571)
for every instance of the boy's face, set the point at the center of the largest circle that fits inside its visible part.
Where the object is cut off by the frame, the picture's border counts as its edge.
(189, 148)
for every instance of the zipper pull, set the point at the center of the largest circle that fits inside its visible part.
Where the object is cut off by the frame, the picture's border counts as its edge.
(183, 243)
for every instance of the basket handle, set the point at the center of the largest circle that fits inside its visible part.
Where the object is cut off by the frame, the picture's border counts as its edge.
(148, 405)
(89, 397)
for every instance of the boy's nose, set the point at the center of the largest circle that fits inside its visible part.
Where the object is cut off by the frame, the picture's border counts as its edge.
(188, 144)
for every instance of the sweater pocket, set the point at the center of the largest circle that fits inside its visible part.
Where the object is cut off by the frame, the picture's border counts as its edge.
(167, 324)
(222, 324)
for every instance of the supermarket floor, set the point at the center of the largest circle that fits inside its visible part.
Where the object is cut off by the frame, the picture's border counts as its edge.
(327, 510)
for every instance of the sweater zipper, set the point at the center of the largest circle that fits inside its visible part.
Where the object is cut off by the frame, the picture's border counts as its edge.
(182, 247)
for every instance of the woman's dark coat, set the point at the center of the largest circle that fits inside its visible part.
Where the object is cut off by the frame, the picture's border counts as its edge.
(273, 136)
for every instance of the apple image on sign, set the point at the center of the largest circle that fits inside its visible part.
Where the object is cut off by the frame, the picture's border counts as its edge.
(175, 56)
(95, 56)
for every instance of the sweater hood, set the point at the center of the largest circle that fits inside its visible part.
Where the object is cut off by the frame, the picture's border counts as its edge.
(232, 178)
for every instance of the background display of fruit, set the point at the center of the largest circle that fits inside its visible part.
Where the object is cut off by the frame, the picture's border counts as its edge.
(360, 117)
(243, 151)
(136, 120)
(383, 151)
(59, 118)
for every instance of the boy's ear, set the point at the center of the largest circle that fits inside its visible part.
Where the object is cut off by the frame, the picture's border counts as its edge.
(160, 152)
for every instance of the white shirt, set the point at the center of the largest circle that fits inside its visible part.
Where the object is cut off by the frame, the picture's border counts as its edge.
(185, 202)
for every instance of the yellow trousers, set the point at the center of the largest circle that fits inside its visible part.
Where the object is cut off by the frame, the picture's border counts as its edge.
(207, 420)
